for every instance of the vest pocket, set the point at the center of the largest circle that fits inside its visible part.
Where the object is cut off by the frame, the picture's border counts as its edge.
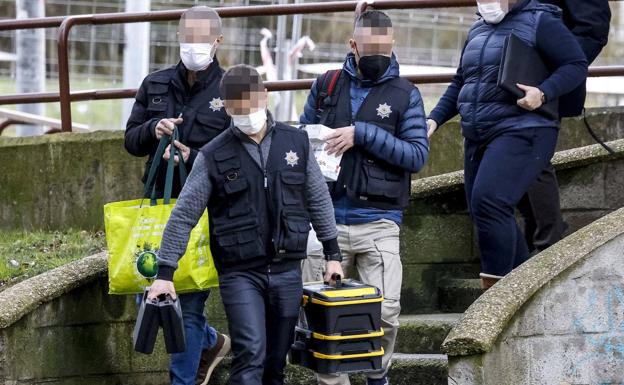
(292, 187)
(157, 99)
(293, 238)
(242, 243)
(207, 126)
(379, 182)
(236, 195)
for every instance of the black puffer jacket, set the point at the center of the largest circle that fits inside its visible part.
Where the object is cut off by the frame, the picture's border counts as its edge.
(589, 21)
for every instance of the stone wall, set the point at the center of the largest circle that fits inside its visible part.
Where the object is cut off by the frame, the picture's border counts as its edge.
(62, 327)
(62, 181)
(438, 239)
(54, 331)
(556, 320)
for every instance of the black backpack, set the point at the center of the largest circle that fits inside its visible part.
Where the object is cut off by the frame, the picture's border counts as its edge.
(327, 85)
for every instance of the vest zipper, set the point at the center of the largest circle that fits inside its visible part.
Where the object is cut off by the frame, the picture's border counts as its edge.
(263, 166)
(267, 195)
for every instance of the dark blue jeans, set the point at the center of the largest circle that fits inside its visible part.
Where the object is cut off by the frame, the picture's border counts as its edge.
(497, 175)
(262, 310)
(199, 336)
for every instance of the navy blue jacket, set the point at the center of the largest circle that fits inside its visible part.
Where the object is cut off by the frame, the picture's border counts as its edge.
(408, 150)
(486, 109)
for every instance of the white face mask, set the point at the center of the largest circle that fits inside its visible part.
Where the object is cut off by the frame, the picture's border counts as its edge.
(196, 56)
(492, 12)
(250, 124)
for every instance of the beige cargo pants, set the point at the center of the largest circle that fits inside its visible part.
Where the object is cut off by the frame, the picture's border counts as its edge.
(373, 249)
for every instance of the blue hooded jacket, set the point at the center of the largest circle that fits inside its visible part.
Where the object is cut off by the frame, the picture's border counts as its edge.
(409, 149)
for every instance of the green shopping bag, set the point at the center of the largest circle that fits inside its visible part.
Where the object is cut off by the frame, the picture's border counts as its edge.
(134, 231)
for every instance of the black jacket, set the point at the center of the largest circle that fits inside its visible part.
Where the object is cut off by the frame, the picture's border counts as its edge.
(589, 22)
(166, 94)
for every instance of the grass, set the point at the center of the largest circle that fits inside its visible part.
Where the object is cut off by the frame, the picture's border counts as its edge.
(26, 254)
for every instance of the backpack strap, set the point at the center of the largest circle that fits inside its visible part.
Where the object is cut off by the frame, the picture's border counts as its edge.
(328, 84)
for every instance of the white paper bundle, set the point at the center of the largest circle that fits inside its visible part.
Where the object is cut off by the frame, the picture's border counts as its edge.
(330, 164)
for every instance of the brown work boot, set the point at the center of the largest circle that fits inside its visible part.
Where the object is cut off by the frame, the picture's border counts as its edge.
(210, 358)
(487, 280)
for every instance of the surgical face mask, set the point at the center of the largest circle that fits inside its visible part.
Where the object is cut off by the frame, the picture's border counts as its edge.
(196, 56)
(492, 13)
(250, 124)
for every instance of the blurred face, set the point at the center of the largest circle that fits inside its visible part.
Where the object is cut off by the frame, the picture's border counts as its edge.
(195, 31)
(253, 101)
(368, 41)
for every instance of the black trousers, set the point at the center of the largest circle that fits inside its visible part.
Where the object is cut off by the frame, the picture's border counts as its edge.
(262, 310)
(540, 207)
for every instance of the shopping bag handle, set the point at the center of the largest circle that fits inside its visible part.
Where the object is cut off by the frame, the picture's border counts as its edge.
(174, 151)
(150, 184)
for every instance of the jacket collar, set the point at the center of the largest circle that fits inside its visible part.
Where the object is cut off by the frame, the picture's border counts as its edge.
(350, 67)
(204, 78)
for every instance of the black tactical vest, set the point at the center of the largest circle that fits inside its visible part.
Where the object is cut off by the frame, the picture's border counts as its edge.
(365, 179)
(258, 215)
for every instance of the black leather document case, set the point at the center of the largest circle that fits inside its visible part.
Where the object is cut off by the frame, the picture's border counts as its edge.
(522, 64)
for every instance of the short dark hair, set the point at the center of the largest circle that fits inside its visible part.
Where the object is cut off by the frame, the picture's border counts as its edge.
(239, 81)
(373, 19)
(202, 12)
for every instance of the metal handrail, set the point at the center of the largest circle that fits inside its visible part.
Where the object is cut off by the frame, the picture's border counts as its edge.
(65, 24)
(225, 12)
(283, 85)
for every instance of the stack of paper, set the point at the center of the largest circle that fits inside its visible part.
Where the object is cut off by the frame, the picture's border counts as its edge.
(330, 164)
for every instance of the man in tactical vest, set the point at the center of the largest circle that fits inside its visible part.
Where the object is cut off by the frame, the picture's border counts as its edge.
(262, 187)
(186, 95)
(380, 131)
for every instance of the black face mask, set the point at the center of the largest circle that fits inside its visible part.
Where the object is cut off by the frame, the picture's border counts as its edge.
(374, 66)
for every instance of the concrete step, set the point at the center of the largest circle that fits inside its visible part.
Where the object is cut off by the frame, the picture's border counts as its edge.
(407, 369)
(456, 295)
(424, 333)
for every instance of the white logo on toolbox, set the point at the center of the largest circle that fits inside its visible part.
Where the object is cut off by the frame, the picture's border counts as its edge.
(384, 110)
(216, 104)
(291, 158)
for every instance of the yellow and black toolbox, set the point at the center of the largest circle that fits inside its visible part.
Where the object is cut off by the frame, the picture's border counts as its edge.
(337, 363)
(339, 328)
(350, 307)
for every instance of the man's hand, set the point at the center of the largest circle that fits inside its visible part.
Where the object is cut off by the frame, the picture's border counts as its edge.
(161, 286)
(166, 126)
(186, 152)
(331, 268)
(341, 140)
(431, 127)
(532, 99)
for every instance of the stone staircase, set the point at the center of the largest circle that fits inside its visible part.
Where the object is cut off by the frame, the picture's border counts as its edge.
(418, 359)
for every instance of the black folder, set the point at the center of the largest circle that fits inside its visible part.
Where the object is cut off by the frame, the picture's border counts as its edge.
(522, 64)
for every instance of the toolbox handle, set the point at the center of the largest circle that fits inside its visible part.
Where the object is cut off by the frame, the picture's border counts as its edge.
(336, 278)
